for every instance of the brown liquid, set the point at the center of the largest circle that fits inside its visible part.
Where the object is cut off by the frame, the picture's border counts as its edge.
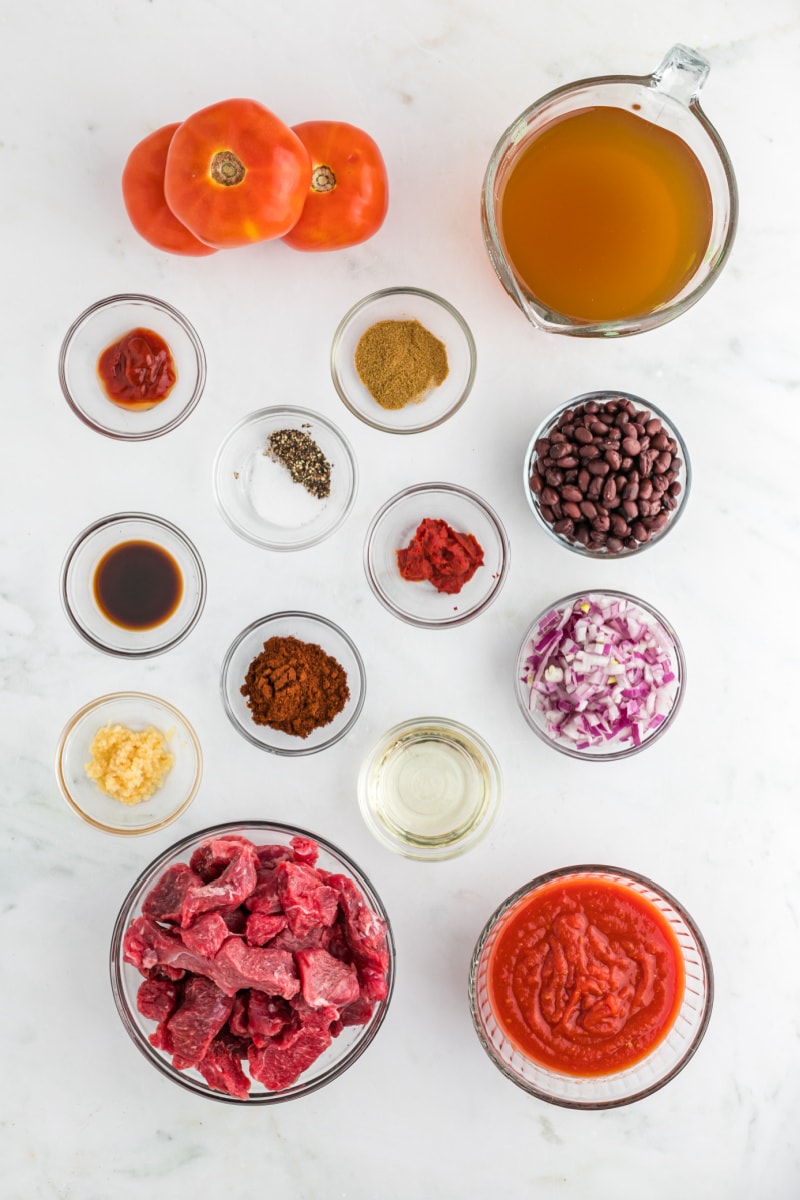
(138, 585)
(605, 216)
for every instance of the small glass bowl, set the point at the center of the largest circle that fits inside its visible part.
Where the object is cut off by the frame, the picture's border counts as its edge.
(133, 710)
(429, 789)
(257, 496)
(125, 978)
(547, 426)
(608, 751)
(439, 318)
(613, 1090)
(77, 585)
(307, 627)
(100, 326)
(393, 527)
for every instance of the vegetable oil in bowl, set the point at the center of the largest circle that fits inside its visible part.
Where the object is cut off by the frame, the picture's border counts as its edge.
(429, 789)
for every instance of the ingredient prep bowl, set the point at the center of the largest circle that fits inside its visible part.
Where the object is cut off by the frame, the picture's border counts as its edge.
(105, 323)
(429, 789)
(418, 601)
(310, 1014)
(607, 474)
(600, 675)
(592, 1038)
(171, 548)
(258, 497)
(437, 317)
(308, 628)
(134, 711)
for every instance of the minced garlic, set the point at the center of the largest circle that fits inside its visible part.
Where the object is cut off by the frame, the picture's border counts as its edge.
(128, 764)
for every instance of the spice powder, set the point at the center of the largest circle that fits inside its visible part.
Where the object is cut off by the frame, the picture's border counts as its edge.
(400, 362)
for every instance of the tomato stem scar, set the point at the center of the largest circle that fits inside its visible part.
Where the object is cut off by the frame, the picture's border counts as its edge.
(227, 169)
(322, 179)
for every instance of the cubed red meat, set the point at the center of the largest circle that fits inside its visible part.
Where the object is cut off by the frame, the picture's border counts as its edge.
(364, 930)
(227, 891)
(221, 1068)
(264, 897)
(164, 901)
(266, 1016)
(283, 1059)
(306, 901)
(261, 927)
(157, 999)
(304, 850)
(201, 1014)
(238, 965)
(206, 934)
(212, 857)
(324, 980)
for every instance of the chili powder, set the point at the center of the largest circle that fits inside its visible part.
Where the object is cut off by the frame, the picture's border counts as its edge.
(295, 686)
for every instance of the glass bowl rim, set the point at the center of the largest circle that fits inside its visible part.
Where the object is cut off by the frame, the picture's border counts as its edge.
(180, 319)
(251, 419)
(124, 915)
(601, 394)
(301, 750)
(473, 836)
(381, 294)
(186, 542)
(680, 662)
(493, 519)
(91, 706)
(527, 889)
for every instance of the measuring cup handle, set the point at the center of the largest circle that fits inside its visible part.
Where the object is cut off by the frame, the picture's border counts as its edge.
(681, 74)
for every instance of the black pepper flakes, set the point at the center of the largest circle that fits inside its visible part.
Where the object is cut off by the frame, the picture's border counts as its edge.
(304, 460)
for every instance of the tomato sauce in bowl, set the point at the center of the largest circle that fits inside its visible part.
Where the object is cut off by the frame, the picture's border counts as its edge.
(586, 977)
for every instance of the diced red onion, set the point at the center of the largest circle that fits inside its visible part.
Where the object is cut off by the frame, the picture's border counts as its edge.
(601, 671)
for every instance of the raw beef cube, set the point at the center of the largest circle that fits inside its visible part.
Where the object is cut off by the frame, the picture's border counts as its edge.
(264, 897)
(373, 983)
(222, 1071)
(237, 1022)
(316, 939)
(336, 943)
(270, 856)
(163, 902)
(157, 999)
(357, 1013)
(364, 930)
(325, 980)
(305, 900)
(304, 851)
(284, 1059)
(266, 1016)
(236, 920)
(212, 857)
(237, 965)
(227, 891)
(201, 1015)
(147, 945)
(261, 927)
(206, 934)
(161, 1038)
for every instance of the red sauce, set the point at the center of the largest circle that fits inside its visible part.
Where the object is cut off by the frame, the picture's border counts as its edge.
(586, 977)
(437, 553)
(138, 371)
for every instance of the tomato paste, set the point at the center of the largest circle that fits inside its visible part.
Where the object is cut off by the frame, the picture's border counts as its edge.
(586, 976)
(138, 371)
(437, 553)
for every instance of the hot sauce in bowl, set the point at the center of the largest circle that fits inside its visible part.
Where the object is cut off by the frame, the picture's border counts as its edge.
(586, 976)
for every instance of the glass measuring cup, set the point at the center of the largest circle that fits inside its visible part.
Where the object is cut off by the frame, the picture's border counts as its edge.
(668, 99)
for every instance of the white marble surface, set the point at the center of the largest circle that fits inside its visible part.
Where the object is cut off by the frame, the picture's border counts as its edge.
(710, 811)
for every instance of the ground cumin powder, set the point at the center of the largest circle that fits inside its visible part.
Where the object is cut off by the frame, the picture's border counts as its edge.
(399, 362)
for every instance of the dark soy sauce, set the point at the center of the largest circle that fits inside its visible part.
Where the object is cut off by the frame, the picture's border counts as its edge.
(138, 585)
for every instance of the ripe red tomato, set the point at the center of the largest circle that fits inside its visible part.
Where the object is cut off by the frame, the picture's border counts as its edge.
(236, 174)
(145, 203)
(349, 193)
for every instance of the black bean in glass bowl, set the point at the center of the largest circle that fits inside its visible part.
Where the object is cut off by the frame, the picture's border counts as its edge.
(607, 474)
